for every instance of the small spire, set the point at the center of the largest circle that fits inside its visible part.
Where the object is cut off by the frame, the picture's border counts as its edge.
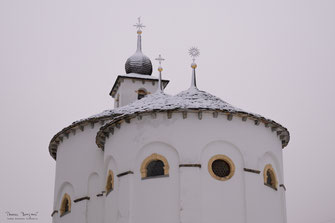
(193, 52)
(160, 69)
(139, 27)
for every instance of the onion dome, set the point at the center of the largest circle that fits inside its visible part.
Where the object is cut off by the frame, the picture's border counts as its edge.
(139, 63)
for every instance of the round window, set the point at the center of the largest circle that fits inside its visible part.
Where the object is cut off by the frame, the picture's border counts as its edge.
(221, 167)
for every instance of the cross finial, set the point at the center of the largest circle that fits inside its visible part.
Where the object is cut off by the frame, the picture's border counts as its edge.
(160, 59)
(193, 52)
(160, 69)
(139, 26)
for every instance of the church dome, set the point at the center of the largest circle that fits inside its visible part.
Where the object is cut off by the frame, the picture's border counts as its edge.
(139, 64)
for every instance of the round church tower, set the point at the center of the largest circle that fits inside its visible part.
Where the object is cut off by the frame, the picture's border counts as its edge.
(191, 157)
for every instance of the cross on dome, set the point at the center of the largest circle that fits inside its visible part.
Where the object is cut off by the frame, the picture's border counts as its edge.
(139, 26)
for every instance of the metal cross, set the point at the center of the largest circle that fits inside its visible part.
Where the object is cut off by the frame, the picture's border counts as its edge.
(139, 25)
(160, 59)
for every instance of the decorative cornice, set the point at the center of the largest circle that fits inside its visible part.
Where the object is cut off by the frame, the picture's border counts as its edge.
(109, 127)
(120, 78)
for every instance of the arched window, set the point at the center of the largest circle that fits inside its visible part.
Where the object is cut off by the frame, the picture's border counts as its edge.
(221, 167)
(65, 205)
(270, 178)
(110, 182)
(154, 165)
(141, 93)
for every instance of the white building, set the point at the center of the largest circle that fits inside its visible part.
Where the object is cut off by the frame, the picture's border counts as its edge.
(189, 158)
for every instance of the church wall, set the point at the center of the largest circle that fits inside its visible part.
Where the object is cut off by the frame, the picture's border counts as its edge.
(128, 90)
(77, 158)
(95, 205)
(111, 200)
(223, 201)
(66, 187)
(156, 199)
(244, 196)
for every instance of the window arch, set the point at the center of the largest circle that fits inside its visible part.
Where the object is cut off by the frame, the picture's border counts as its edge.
(65, 205)
(109, 182)
(141, 93)
(154, 165)
(221, 167)
(270, 178)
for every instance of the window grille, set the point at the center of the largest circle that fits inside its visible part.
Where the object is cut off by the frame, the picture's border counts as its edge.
(221, 168)
(155, 168)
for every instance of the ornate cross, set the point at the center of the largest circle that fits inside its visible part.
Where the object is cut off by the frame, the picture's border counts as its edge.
(194, 52)
(139, 25)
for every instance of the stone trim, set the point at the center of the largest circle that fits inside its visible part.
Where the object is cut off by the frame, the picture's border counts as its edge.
(268, 167)
(225, 158)
(153, 157)
(283, 186)
(100, 195)
(81, 199)
(110, 182)
(190, 165)
(54, 212)
(62, 207)
(252, 170)
(125, 173)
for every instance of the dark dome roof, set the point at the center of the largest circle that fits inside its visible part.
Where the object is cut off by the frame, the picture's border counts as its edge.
(139, 64)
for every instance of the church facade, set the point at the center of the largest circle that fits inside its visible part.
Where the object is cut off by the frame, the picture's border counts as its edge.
(191, 157)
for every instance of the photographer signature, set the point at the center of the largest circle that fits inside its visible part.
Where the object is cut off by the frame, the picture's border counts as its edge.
(21, 215)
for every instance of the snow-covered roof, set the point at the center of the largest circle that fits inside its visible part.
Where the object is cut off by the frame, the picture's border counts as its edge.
(191, 99)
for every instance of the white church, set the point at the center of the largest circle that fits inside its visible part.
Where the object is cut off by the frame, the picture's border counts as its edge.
(187, 158)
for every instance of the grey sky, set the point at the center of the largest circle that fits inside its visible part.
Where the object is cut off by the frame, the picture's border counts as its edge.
(59, 60)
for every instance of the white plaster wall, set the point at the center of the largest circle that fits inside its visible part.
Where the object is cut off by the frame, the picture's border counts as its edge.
(128, 88)
(77, 158)
(95, 205)
(223, 201)
(198, 196)
(65, 187)
(156, 199)
(188, 194)
(111, 200)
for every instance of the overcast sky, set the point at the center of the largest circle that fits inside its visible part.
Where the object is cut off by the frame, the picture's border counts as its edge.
(59, 60)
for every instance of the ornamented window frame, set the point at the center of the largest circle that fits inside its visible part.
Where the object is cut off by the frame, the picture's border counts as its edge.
(154, 157)
(143, 92)
(109, 182)
(62, 207)
(268, 167)
(227, 160)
